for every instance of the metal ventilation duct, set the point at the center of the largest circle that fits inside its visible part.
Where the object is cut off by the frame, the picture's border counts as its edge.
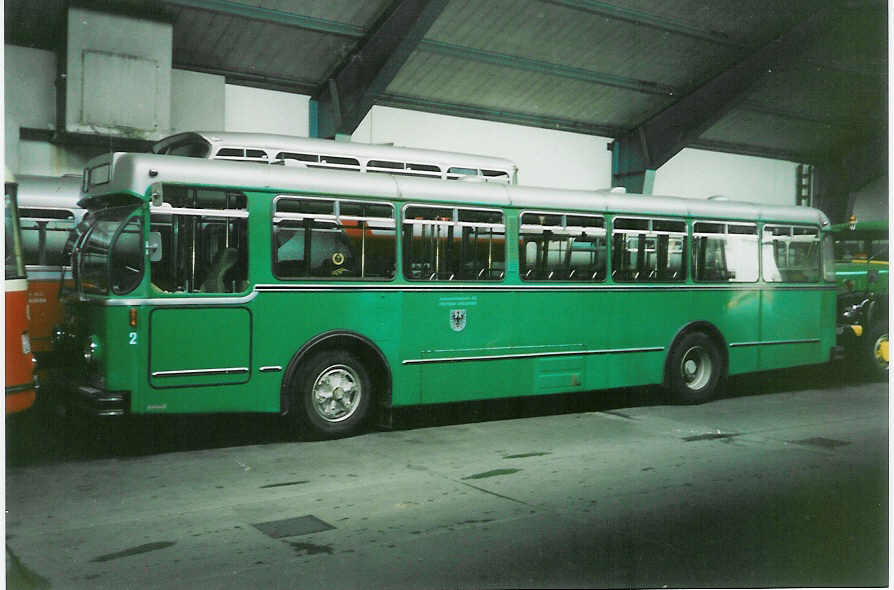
(118, 75)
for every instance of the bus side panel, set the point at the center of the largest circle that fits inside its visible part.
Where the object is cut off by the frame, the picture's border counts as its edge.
(20, 393)
(734, 312)
(791, 328)
(443, 325)
(653, 316)
(289, 320)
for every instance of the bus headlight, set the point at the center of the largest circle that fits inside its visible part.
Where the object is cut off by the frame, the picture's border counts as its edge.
(91, 350)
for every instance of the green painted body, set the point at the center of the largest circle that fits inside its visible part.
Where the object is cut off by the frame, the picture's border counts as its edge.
(856, 269)
(561, 338)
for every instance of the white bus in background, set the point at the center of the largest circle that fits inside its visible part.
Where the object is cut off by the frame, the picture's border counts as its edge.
(266, 148)
(48, 211)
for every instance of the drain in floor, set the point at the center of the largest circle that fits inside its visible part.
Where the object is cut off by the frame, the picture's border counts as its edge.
(291, 527)
(822, 442)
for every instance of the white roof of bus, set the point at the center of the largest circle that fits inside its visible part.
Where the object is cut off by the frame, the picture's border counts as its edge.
(132, 174)
(286, 143)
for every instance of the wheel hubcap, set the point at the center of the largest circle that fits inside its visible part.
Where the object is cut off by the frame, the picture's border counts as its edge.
(336, 393)
(880, 350)
(696, 367)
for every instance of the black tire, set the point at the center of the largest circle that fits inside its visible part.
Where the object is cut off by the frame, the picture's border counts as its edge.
(695, 368)
(331, 394)
(875, 351)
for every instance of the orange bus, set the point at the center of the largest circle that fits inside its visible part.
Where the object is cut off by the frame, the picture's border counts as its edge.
(20, 387)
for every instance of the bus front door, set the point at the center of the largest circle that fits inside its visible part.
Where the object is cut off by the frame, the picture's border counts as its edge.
(199, 359)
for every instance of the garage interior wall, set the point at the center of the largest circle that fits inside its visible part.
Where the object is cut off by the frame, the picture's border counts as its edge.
(545, 157)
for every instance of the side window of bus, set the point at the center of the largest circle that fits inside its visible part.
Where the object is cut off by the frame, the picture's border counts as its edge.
(562, 247)
(791, 254)
(453, 244)
(199, 241)
(648, 250)
(44, 232)
(333, 238)
(724, 252)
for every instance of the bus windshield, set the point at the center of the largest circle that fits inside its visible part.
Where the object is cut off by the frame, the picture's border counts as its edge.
(110, 255)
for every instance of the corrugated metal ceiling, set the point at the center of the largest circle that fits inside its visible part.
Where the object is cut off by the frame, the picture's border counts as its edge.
(592, 66)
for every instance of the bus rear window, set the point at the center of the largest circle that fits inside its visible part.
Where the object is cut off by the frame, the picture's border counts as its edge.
(192, 149)
(44, 233)
(791, 254)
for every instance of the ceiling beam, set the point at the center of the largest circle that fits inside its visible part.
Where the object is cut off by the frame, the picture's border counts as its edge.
(639, 17)
(604, 79)
(742, 149)
(253, 80)
(542, 67)
(345, 98)
(636, 155)
(268, 15)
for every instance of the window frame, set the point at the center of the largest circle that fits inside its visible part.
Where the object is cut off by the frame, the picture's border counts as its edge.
(201, 214)
(334, 218)
(564, 230)
(43, 232)
(792, 226)
(685, 234)
(456, 223)
(725, 223)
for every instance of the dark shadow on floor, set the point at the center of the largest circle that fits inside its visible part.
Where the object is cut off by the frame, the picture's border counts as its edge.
(41, 436)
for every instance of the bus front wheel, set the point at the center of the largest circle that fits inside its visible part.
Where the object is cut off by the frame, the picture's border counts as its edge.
(695, 368)
(876, 350)
(332, 394)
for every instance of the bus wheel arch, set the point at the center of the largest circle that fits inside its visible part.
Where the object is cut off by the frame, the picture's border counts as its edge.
(341, 350)
(697, 363)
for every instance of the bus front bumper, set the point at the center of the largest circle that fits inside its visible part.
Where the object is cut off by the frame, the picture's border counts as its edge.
(99, 402)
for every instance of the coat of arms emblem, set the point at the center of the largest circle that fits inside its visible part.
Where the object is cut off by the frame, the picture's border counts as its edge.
(457, 320)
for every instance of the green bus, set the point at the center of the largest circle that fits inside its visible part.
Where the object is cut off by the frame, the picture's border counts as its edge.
(332, 297)
(861, 267)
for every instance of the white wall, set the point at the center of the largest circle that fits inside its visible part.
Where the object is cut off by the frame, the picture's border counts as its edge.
(265, 111)
(198, 101)
(701, 174)
(871, 201)
(570, 160)
(544, 157)
(29, 96)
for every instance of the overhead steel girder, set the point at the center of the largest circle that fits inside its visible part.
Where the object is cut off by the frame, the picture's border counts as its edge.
(847, 169)
(345, 98)
(638, 154)
(269, 15)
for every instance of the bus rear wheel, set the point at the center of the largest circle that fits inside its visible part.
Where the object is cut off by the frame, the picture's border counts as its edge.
(695, 368)
(332, 395)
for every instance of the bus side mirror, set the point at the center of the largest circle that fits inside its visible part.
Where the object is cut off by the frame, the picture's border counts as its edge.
(155, 252)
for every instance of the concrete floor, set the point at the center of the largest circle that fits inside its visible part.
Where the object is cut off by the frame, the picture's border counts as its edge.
(784, 482)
